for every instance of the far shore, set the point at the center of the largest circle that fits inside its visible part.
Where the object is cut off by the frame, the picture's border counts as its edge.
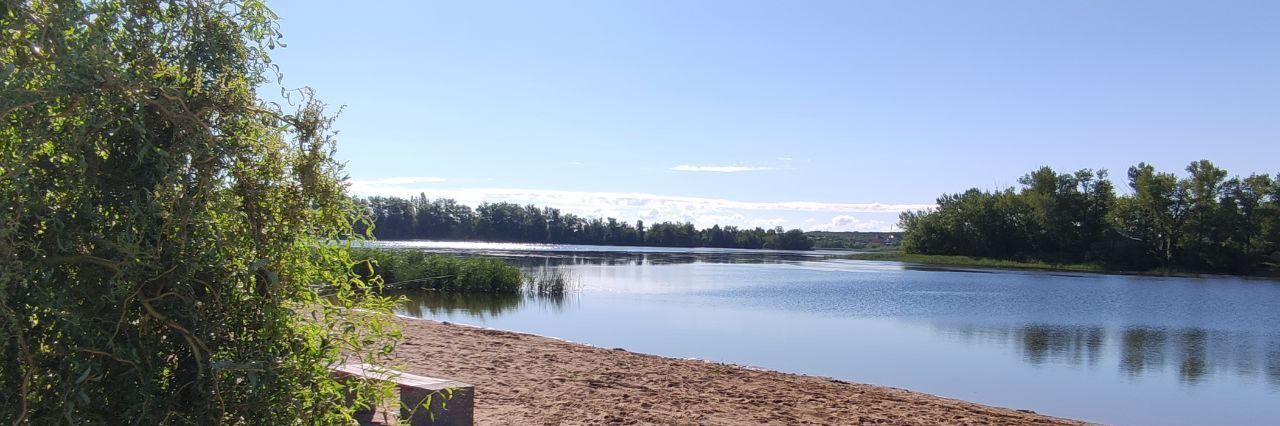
(989, 263)
(927, 259)
(533, 380)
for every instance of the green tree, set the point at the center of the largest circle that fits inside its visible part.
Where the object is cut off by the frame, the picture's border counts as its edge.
(1260, 203)
(165, 231)
(1202, 222)
(1154, 214)
(1208, 222)
(974, 223)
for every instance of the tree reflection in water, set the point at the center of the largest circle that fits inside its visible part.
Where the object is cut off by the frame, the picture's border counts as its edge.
(618, 258)
(1273, 364)
(1196, 353)
(1143, 348)
(1076, 345)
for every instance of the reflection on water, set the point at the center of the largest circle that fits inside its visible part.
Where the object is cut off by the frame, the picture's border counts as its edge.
(1273, 363)
(1199, 353)
(1144, 348)
(1195, 353)
(1088, 346)
(640, 259)
(1075, 345)
(428, 304)
(550, 255)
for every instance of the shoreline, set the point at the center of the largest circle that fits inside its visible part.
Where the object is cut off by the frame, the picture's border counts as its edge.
(1009, 265)
(528, 379)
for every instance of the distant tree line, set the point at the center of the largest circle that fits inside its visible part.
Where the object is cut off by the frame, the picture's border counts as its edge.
(856, 240)
(1203, 222)
(418, 217)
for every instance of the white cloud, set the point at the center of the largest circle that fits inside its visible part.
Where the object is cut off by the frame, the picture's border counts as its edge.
(378, 185)
(620, 199)
(631, 206)
(406, 180)
(851, 223)
(785, 159)
(767, 223)
(718, 169)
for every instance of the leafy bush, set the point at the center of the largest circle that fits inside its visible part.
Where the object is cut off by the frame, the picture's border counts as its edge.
(163, 228)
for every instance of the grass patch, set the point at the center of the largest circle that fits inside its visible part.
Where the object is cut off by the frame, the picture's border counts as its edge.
(411, 269)
(549, 282)
(983, 262)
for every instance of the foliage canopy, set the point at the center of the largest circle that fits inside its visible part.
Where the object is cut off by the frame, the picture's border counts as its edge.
(165, 231)
(1202, 222)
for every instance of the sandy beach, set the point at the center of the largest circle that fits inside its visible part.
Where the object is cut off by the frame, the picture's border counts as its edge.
(524, 379)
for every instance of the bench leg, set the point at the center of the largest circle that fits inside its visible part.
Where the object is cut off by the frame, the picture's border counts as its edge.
(452, 407)
(362, 416)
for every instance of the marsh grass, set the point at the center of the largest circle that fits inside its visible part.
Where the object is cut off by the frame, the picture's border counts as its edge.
(415, 270)
(408, 270)
(547, 281)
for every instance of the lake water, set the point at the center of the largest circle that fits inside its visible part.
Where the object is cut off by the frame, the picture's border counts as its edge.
(1104, 348)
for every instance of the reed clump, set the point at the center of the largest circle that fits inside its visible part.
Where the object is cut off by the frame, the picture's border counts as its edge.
(549, 282)
(408, 269)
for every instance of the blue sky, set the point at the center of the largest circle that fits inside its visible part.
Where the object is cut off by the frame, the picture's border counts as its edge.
(810, 114)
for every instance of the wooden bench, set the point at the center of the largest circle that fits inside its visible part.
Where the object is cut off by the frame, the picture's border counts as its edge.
(423, 400)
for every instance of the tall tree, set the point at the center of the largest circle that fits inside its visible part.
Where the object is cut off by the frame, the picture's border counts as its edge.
(1154, 214)
(1070, 210)
(1208, 221)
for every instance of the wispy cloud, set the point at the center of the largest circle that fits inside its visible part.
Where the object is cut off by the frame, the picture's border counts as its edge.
(810, 215)
(718, 169)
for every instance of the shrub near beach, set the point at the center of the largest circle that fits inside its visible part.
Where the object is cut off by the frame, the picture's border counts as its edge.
(162, 237)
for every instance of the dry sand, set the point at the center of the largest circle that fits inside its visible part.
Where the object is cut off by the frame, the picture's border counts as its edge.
(523, 379)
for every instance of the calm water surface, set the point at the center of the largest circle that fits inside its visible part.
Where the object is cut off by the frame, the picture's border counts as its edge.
(1112, 349)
